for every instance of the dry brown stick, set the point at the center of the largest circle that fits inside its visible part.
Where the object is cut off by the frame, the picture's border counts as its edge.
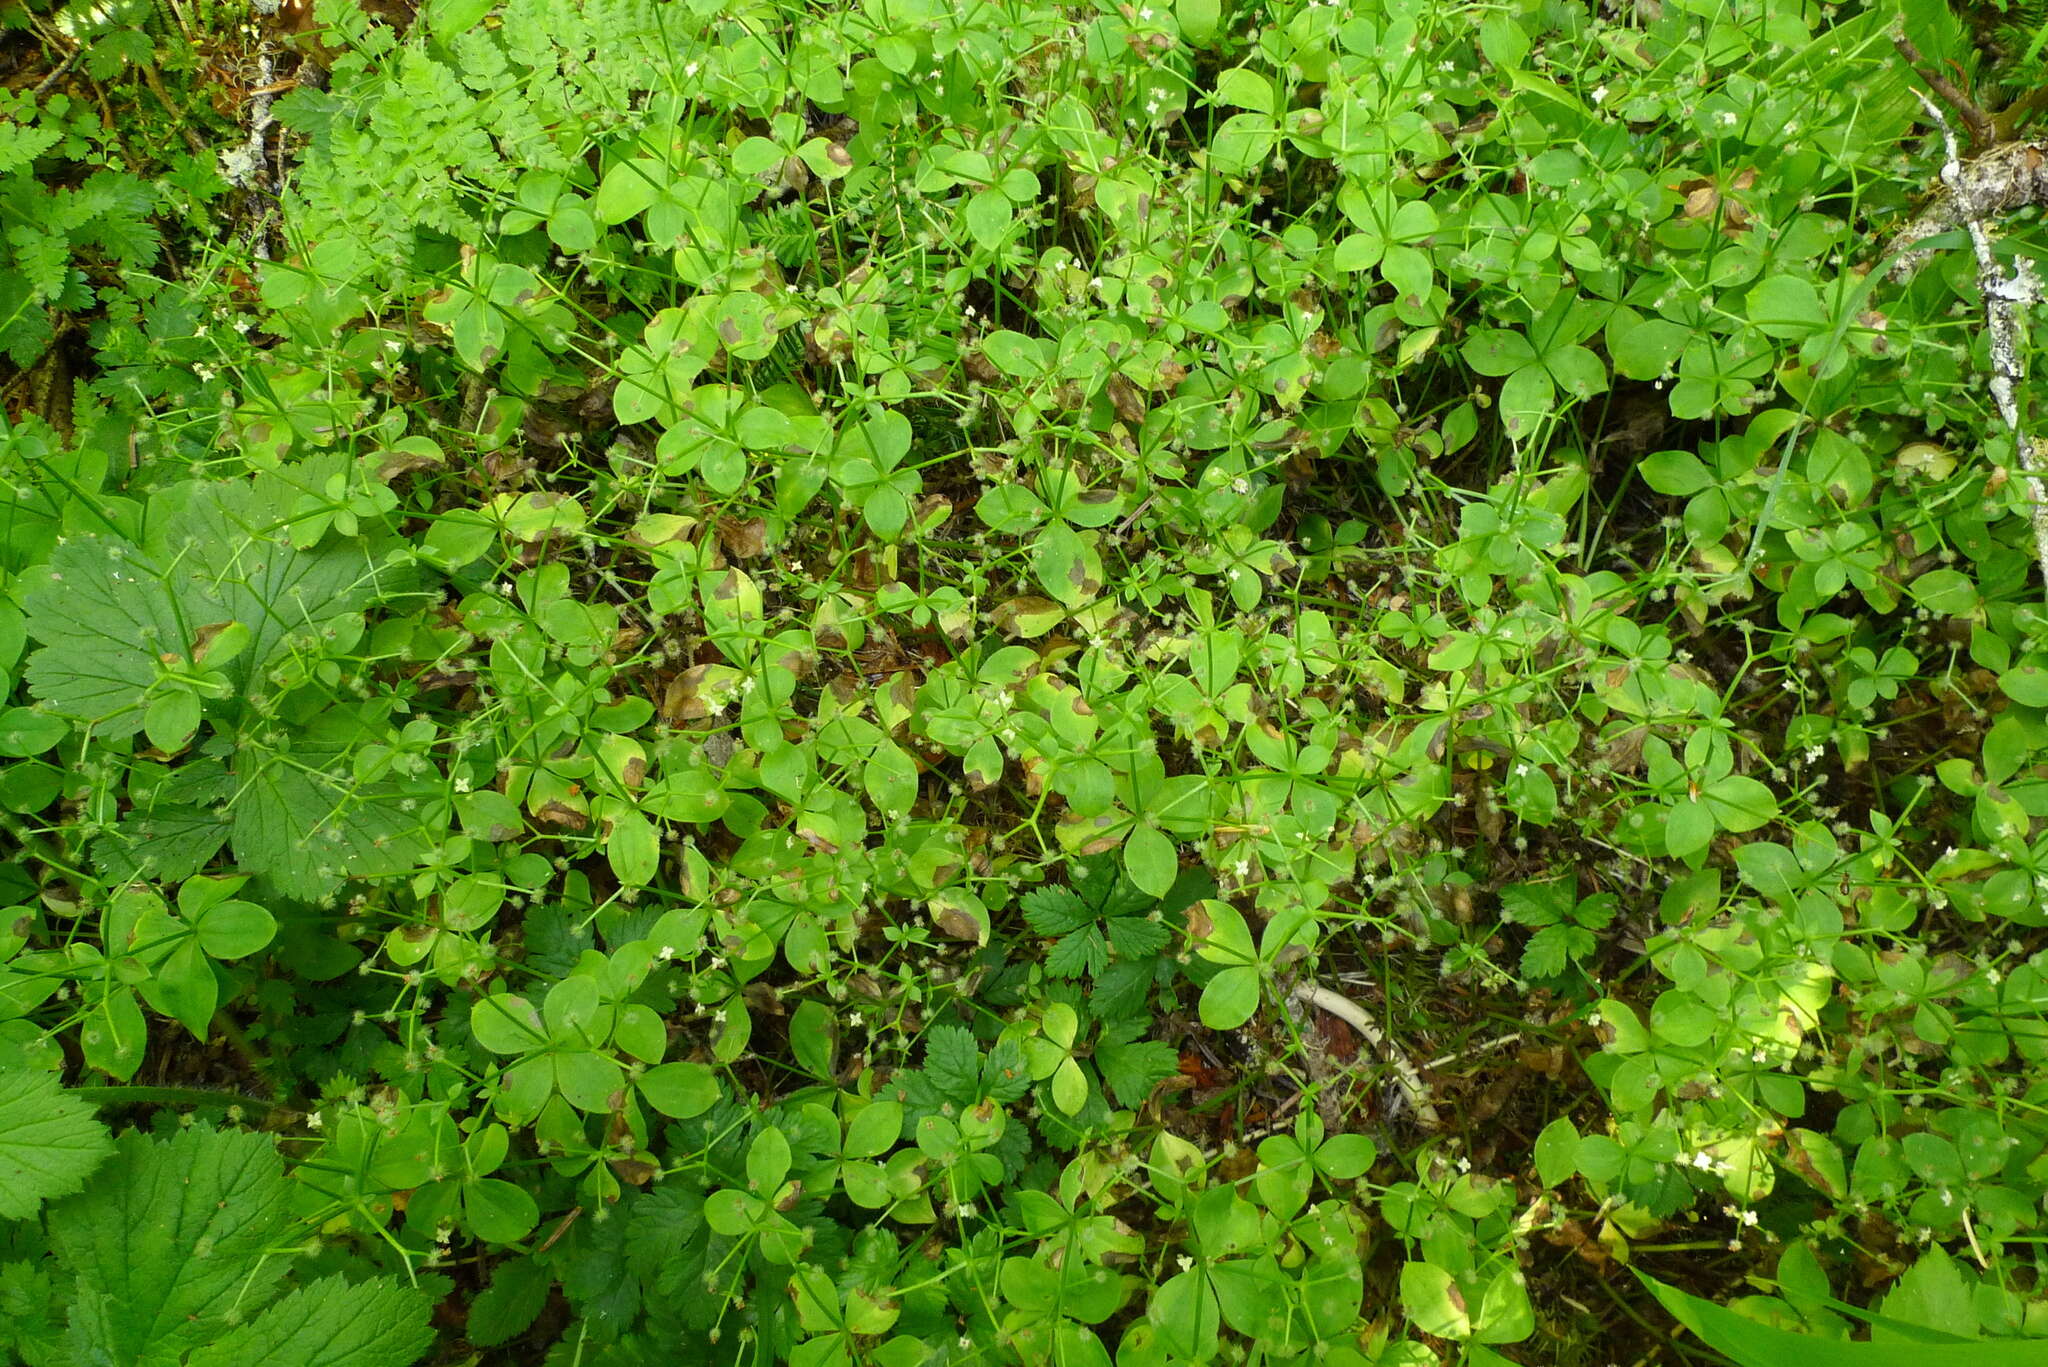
(1982, 132)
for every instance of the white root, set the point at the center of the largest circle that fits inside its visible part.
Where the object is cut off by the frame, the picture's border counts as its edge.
(1413, 1089)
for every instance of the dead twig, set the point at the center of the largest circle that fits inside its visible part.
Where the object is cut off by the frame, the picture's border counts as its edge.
(1983, 133)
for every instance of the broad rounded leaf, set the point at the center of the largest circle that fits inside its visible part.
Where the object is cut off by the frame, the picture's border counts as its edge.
(230, 930)
(507, 1024)
(1150, 859)
(499, 1211)
(1230, 999)
(679, 1090)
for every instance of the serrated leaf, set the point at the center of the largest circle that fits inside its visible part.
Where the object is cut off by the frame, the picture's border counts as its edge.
(1132, 1070)
(1548, 952)
(664, 1222)
(105, 608)
(179, 1235)
(21, 145)
(1120, 990)
(1007, 1075)
(304, 824)
(50, 1142)
(1055, 911)
(169, 841)
(952, 1060)
(1135, 938)
(1081, 951)
(331, 1323)
(508, 1307)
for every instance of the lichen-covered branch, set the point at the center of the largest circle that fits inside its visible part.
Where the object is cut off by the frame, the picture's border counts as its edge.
(2008, 177)
(2004, 297)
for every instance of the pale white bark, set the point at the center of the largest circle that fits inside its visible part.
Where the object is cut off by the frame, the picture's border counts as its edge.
(2001, 180)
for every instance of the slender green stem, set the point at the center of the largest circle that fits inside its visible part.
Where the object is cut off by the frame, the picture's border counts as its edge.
(168, 1096)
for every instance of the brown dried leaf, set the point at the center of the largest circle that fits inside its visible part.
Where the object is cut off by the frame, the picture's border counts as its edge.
(1125, 398)
(561, 814)
(746, 539)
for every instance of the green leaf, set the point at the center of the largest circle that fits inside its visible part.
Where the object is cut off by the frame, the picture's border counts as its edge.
(1557, 1152)
(499, 1211)
(680, 1090)
(235, 929)
(1497, 352)
(1230, 999)
(171, 718)
(1751, 1343)
(331, 1323)
(633, 849)
(1081, 951)
(302, 821)
(50, 1142)
(1645, 349)
(1932, 1295)
(1547, 953)
(952, 1060)
(631, 187)
(459, 537)
(1015, 354)
(890, 778)
(1688, 828)
(24, 732)
(768, 1159)
(115, 1034)
(1226, 939)
(183, 988)
(1069, 1087)
(1503, 41)
(1505, 1315)
(1244, 88)
(1186, 1315)
(1055, 910)
(2026, 683)
(1786, 306)
(989, 215)
(1741, 804)
(1433, 1301)
(508, 1307)
(1151, 860)
(732, 1213)
(106, 608)
(180, 1237)
(663, 1226)
(507, 1024)
(1132, 1070)
(874, 1130)
(813, 1029)
(1010, 509)
(1199, 20)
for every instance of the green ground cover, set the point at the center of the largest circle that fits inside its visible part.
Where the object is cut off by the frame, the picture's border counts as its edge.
(928, 683)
